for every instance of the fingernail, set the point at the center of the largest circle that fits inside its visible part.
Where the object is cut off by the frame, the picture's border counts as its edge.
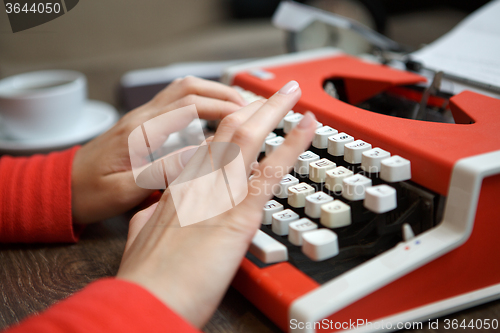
(186, 155)
(308, 119)
(289, 88)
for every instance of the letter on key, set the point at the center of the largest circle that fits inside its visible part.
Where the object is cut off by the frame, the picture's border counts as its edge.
(267, 249)
(297, 194)
(291, 121)
(335, 214)
(395, 169)
(297, 228)
(302, 165)
(370, 161)
(273, 144)
(320, 244)
(271, 207)
(353, 151)
(318, 169)
(314, 203)
(285, 183)
(282, 219)
(335, 177)
(321, 137)
(355, 186)
(336, 143)
(270, 136)
(380, 199)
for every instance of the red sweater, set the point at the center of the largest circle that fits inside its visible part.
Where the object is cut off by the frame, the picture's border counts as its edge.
(35, 206)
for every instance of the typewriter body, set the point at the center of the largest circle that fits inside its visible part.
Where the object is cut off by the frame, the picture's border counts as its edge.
(449, 263)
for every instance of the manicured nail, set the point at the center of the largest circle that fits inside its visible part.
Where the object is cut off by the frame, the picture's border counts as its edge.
(308, 119)
(289, 88)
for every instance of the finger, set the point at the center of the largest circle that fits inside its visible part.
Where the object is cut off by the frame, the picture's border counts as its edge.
(201, 87)
(208, 108)
(151, 135)
(278, 164)
(137, 223)
(231, 123)
(191, 85)
(250, 136)
(163, 171)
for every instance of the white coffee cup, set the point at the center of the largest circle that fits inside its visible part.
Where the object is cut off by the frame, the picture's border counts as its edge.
(41, 105)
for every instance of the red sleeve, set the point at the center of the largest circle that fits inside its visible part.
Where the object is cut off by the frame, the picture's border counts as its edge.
(35, 198)
(107, 306)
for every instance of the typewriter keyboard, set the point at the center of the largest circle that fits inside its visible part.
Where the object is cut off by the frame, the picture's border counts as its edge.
(343, 203)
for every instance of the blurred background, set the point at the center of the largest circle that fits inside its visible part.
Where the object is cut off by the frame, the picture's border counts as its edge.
(105, 39)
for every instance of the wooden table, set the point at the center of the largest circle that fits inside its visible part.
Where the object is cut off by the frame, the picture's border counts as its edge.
(33, 277)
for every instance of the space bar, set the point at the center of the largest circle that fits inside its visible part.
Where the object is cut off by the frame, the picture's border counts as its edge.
(267, 249)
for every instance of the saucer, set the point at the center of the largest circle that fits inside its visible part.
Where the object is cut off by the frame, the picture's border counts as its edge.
(97, 118)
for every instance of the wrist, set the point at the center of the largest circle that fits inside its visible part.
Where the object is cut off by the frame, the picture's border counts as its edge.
(78, 206)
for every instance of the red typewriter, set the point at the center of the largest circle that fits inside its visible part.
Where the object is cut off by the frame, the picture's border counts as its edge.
(385, 219)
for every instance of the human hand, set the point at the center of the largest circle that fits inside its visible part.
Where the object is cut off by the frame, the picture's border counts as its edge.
(189, 268)
(102, 183)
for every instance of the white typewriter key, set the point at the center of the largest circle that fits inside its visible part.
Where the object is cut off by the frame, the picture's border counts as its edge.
(335, 214)
(291, 121)
(318, 124)
(297, 228)
(271, 207)
(318, 169)
(248, 96)
(282, 219)
(297, 194)
(267, 249)
(336, 143)
(353, 151)
(314, 202)
(273, 144)
(285, 183)
(335, 177)
(321, 137)
(395, 169)
(254, 98)
(268, 137)
(281, 124)
(302, 165)
(320, 244)
(238, 89)
(261, 74)
(354, 187)
(370, 161)
(380, 199)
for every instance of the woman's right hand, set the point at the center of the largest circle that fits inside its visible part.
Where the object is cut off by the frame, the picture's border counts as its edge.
(189, 268)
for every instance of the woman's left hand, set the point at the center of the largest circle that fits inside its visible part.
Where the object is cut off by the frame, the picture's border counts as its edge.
(102, 180)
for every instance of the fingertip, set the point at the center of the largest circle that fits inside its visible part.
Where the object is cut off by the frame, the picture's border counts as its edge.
(307, 121)
(289, 88)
